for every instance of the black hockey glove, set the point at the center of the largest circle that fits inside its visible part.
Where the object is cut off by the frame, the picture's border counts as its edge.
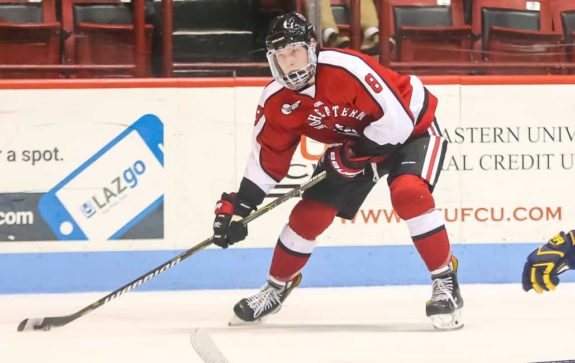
(341, 162)
(543, 265)
(227, 229)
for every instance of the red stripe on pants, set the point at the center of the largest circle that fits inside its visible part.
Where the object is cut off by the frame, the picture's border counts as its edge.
(432, 159)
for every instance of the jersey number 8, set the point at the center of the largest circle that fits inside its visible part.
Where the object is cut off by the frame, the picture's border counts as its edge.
(373, 83)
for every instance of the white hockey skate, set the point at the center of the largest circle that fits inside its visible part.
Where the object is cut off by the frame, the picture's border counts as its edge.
(268, 301)
(444, 307)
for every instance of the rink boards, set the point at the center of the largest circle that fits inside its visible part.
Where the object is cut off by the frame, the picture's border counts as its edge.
(103, 181)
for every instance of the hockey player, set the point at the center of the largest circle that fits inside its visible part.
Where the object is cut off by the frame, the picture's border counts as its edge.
(378, 122)
(543, 265)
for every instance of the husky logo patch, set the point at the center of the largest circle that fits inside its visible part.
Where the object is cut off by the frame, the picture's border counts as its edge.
(287, 108)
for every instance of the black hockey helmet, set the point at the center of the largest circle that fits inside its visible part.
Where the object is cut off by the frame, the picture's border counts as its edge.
(291, 30)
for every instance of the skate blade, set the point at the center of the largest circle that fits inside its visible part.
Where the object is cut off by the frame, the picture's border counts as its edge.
(235, 321)
(447, 321)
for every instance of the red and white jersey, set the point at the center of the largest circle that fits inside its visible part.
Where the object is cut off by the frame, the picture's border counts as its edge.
(353, 97)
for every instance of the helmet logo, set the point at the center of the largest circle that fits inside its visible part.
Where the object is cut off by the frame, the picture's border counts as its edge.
(289, 23)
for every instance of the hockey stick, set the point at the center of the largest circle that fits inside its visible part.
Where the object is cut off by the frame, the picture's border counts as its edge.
(50, 322)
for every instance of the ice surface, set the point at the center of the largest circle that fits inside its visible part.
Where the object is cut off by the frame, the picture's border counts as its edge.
(332, 325)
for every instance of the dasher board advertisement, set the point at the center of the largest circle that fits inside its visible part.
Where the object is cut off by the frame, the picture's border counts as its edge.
(114, 189)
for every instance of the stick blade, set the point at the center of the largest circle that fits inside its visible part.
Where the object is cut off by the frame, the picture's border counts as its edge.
(33, 324)
(205, 347)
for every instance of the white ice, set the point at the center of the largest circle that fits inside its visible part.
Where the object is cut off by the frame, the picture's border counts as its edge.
(332, 325)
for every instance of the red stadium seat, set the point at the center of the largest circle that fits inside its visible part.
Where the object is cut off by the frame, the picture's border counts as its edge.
(428, 30)
(29, 35)
(563, 12)
(517, 31)
(102, 32)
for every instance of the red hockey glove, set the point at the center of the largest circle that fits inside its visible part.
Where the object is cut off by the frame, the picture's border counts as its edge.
(543, 265)
(227, 228)
(341, 161)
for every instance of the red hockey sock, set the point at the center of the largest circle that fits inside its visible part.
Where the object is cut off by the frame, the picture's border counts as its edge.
(308, 220)
(286, 264)
(434, 249)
